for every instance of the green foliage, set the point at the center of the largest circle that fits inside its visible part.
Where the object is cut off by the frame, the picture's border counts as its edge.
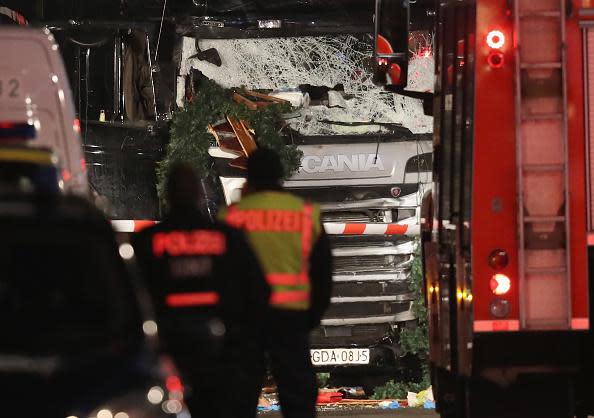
(323, 379)
(415, 339)
(399, 390)
(190, 138)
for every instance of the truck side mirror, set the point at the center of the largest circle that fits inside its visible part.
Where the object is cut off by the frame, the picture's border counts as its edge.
(391, 35)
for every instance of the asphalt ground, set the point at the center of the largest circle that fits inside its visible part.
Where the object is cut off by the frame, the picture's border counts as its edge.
(364, 412)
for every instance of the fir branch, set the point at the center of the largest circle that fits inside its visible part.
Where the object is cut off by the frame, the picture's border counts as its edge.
(190, 139)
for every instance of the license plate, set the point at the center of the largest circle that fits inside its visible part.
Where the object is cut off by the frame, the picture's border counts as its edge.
(10, 88)
(339, 356)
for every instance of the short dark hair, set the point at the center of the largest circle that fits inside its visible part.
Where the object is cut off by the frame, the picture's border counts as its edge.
(265, 169)
(183, 186)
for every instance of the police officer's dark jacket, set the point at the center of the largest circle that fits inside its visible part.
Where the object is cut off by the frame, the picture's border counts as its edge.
(197, 272)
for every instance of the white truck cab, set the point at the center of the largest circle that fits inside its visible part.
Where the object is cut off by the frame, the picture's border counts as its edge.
(34, 89)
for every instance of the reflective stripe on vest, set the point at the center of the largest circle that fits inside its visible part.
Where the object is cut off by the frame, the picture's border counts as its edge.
(289, 296)
(286, 279)
(183, 300)
(289, 290)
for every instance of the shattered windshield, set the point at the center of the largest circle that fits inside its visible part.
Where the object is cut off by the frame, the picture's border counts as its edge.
(328, 79)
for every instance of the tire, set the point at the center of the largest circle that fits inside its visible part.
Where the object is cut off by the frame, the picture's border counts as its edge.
(450, 392)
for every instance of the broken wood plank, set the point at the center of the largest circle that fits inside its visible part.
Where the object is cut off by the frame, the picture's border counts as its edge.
(239, 162)
(243, 135)
(231, 145)
(263, 104)
(224, 137)
(247, 125)
(214, 133)
(222, 126)
(238, 98)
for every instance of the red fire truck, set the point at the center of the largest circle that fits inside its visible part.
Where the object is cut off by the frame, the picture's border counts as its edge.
(508, 229)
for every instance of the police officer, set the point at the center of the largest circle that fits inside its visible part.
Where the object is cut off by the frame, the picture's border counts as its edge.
(210, 298)
(286, 233)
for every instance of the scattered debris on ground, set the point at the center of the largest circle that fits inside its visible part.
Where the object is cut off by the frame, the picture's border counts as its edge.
(349, 397)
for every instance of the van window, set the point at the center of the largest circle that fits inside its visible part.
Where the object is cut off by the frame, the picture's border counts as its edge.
(63, 290)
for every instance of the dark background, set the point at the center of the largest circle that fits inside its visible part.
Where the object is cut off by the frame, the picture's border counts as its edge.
(49, 10)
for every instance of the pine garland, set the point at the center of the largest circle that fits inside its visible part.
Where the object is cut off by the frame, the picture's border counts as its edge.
(190, 139)
(415, 340)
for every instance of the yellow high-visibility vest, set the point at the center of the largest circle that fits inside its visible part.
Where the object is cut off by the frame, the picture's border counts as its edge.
(282, 229)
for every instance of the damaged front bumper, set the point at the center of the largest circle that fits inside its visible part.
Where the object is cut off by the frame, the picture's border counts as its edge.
(371, 297)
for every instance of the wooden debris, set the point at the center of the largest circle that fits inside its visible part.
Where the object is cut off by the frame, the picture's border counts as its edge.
(237, 136)
(238, 98)
(243, 136)
(232, 146)
(226, 139)
(363, 401)
(262, 401)
(240, 162)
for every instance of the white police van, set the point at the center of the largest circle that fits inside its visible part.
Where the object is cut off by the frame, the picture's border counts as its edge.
(34, 91)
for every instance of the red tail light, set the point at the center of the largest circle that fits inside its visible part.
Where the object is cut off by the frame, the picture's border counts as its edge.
(66, 175)
(76, 125)
(500, 284)
(174, 384)
(498, 259)
(495, 39)
(495, 59)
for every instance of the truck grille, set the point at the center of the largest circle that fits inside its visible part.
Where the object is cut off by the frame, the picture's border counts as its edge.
(357, 242)
(376, 263)
(371, 274)
(362, 309)
(367, 289)
(371, 292)
(352, 193)
(354, 216)
(350, 335)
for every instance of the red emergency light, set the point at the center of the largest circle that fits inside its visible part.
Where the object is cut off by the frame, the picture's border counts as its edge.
(495, 59)
(496, 39)
(500, 284)
(76, 125)
(66, 176)
(174, 384)
(498, 259)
